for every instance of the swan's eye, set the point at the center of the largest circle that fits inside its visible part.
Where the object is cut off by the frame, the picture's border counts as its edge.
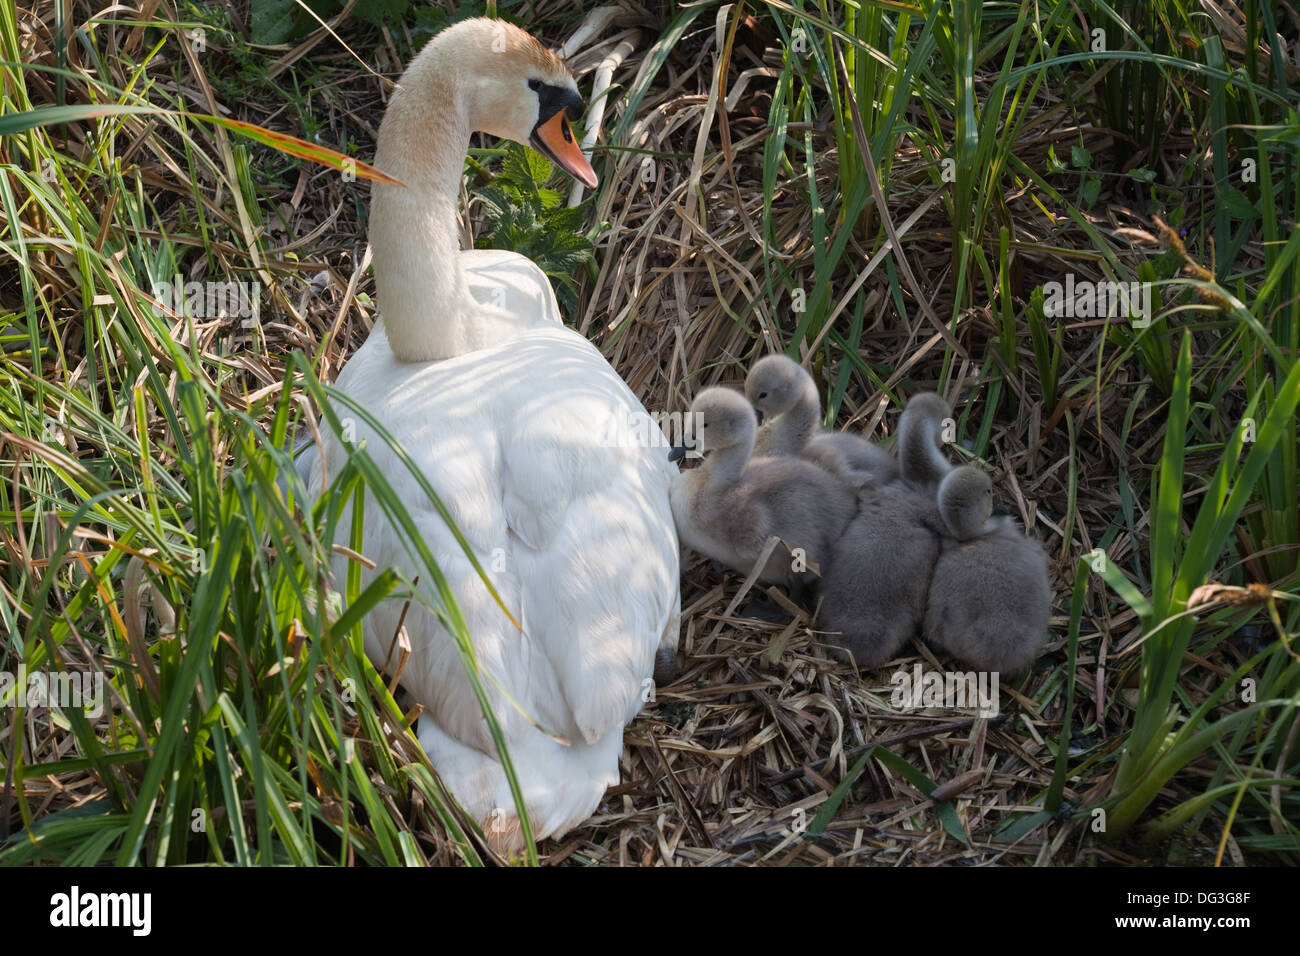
(762, 395)
(535, 85)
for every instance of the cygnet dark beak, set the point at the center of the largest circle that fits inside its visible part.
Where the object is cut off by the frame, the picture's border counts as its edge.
(678, 453)
(758, 413)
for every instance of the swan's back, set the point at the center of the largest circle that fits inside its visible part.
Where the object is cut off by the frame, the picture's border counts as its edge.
(509, 288)
(567, 512)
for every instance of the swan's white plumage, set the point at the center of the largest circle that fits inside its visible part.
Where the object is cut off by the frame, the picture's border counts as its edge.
(537, 449)
(573, 528)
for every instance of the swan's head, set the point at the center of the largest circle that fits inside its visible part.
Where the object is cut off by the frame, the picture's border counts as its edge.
(509, 86)
(775, 384)
(966, 502)
(720, 419)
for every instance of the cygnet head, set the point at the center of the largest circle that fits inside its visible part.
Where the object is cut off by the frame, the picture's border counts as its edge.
(927, 407)
(775, 384)
(490, 76)
(722, 419)
(966, 502)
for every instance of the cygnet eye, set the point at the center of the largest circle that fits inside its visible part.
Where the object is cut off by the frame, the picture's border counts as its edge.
(762, 394)
(535, 85)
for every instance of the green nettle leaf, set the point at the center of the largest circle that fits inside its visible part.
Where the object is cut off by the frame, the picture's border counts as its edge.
(1143, 175)
(1091, 189)
(538, 168)
(271, 21)
(376, 11)
(430, 21)
(532, 220)
(1238, 205)
(570, 220)
(549, 198)
(275, 21)
(1080, 158)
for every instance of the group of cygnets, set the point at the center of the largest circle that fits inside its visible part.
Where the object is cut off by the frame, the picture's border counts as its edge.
(893, 546)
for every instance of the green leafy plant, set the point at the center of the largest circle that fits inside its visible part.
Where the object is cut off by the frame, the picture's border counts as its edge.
(1163, 741)
(276, 21)
(527, 217)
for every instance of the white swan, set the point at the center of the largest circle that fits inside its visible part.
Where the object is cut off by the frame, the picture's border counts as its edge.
(527, 435)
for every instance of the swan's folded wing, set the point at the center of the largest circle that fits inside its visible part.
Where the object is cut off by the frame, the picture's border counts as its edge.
(550, 458)
(598, 561)
(566, 509)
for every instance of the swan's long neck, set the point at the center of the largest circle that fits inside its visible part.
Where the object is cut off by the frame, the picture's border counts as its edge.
(726, 465)
(423, 296)
(919, 457)
(801, 422)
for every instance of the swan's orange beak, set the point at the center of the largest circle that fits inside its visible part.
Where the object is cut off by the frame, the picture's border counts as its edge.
(554, 139)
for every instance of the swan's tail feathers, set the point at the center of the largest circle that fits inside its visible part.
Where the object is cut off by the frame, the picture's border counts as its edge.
(562, 785)
(505, 837)
(666, 668)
